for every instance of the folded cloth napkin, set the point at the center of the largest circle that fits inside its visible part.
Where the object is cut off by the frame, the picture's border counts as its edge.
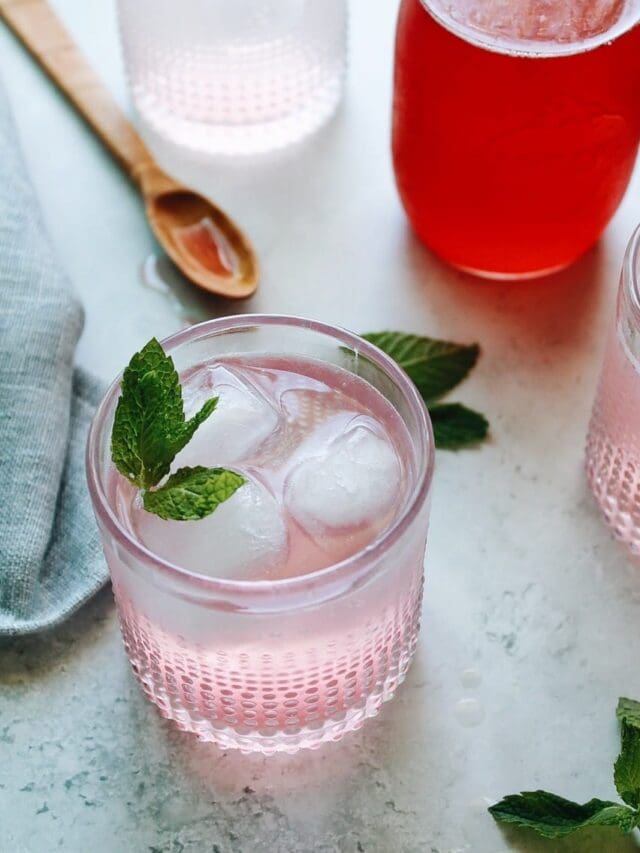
(50, 557)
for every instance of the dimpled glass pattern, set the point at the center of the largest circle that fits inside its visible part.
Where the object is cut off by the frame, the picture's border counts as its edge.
(613, 443)
(234, 78)
(272, 697)
(279, 665)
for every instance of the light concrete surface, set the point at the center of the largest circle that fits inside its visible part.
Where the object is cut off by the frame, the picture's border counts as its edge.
(531, 609)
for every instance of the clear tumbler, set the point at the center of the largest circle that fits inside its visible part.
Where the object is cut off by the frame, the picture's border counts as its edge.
(241, 77)
(283, 664)
(613, 445)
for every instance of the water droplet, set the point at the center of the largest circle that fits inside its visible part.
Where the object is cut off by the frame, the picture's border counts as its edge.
(161, 276)
(479, 805)
(470, 678)
(152, 276)
(469, 712)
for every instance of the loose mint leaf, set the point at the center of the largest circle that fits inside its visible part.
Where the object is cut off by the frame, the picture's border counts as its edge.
(628, 711)
(192, 493)
(434, 366)
(455, 426)
(554, 817)
(149, 427)
(627, 767)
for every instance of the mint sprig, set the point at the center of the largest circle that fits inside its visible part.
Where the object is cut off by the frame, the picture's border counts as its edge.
(456, 426)
(150, 429)
(437, 367)
(552, 816)
(193, 493)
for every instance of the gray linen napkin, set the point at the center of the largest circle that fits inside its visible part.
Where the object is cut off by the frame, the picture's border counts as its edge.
(50, 557)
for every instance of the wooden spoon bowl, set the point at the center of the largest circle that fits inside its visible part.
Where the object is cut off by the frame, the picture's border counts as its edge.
(199, 237)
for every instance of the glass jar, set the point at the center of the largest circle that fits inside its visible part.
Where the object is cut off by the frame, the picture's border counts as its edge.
(516, 127)
(235, 78)
(613, 443)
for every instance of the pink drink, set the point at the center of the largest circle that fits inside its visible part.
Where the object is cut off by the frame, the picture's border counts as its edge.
(326, 462)
(613, 447)
(289, 615)
(613, 444)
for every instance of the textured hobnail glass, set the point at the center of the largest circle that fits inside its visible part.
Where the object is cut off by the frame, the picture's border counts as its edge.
(276, 665)
(613, 443)
(241, 77)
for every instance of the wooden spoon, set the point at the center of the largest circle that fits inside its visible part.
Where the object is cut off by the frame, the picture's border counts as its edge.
(199, 237)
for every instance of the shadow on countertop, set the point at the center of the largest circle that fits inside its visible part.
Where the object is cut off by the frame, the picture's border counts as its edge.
(25, 658)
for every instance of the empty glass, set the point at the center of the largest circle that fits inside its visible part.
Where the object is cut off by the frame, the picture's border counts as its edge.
(227, 78)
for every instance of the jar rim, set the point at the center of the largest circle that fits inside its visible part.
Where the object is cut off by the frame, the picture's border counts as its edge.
(352, 566)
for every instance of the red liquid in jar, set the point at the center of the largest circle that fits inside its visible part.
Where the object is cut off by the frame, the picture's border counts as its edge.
(515, 132)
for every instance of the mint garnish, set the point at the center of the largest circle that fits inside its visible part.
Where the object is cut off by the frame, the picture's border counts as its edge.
(192, 493)
(627, 767)
(436, 367)
(456, 426)
(628, 711)
(554, 817)
(150, 429)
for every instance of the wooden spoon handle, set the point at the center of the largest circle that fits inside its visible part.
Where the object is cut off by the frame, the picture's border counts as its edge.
(42, 33)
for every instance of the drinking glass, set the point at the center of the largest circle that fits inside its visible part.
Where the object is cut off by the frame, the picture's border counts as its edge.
(613, 444)
(233, 78)
(516, 127)
(273, 665)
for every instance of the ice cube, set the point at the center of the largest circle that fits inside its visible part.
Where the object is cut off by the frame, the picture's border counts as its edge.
(244, 539)
(353, 481)
(242, 421)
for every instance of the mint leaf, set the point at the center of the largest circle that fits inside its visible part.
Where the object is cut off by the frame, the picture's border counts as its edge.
(554, 817)
(149, 427)
(434, 366)
(192, 493)
(627, 767)
(628, 711)
(455, 426)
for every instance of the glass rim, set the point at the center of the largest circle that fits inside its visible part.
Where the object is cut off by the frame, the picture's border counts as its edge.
(631, 274)
(353, 565)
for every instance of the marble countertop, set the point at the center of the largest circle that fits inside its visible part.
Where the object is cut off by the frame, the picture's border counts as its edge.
(530, 629)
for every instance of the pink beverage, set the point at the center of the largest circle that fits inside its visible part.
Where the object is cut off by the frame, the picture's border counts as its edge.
(326, 461)
(286, 617)
(613, 444)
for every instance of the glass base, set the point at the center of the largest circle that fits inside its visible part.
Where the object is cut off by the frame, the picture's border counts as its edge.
(308, 737)
(248, 700)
